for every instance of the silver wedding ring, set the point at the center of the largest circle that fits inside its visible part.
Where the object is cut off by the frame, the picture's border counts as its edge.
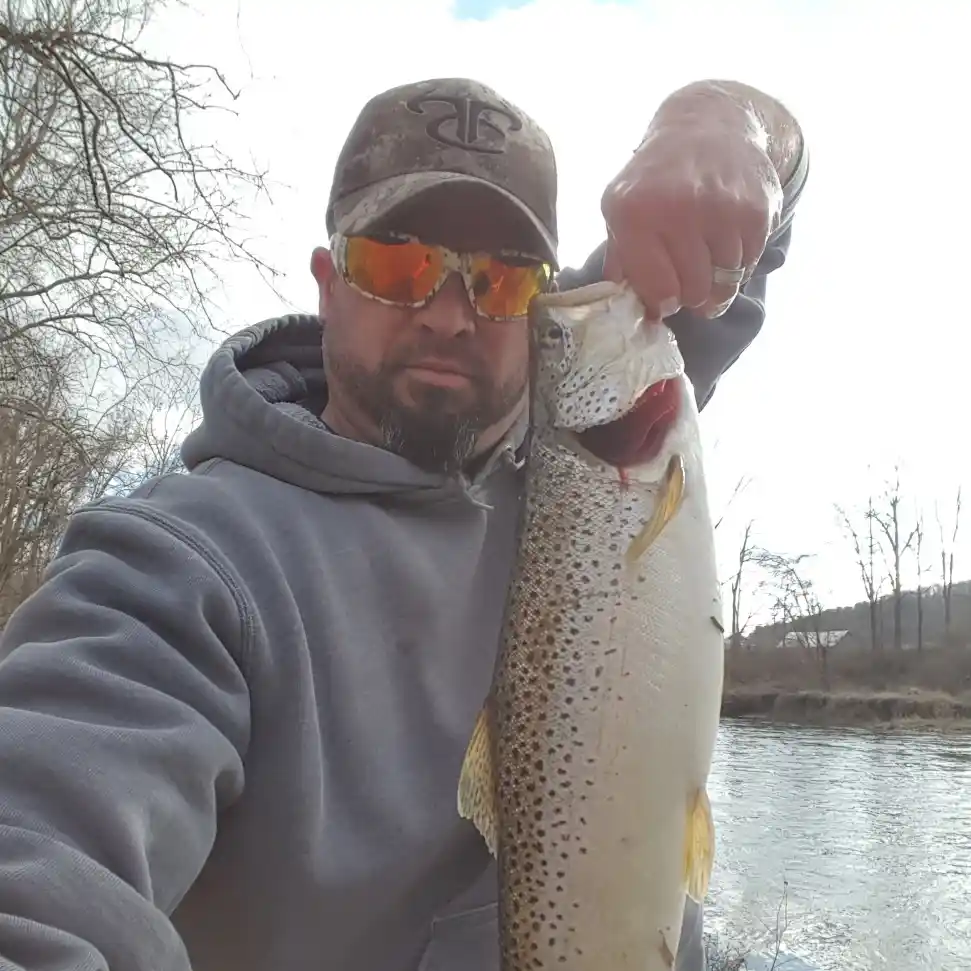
(728, 278)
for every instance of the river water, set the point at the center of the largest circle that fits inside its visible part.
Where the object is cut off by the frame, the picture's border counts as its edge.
(865, 835)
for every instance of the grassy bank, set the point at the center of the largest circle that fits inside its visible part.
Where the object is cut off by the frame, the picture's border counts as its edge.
(930, 688)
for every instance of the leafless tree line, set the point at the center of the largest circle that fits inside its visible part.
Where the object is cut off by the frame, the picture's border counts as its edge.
(113, 217)
(885, 535)
(783, 583)
(114, 224)
(55, 456)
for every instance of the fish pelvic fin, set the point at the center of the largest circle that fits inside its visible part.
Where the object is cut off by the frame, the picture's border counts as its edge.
(665, 509)
(699, 848)
(477, 781)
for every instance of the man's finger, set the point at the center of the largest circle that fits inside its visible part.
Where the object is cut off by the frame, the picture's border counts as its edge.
(727, 255)
(753, 248)
(754, 227)
(652, 276)
(692, 263)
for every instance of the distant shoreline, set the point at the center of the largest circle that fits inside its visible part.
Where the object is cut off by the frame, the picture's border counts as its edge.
(848, 708)
(929, 688)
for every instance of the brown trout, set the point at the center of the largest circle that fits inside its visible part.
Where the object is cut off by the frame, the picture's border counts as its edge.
(586, 771)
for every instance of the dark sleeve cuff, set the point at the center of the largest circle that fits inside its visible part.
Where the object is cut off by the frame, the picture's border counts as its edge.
(792, 192)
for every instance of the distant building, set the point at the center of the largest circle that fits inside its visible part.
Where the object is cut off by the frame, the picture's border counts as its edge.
(807, 639)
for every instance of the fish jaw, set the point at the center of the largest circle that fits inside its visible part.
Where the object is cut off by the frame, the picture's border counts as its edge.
(610, 383)
(639, 436)
(681, 437)
(598, 354)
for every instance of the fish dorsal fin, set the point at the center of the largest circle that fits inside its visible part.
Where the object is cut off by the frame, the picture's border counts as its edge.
(699, 848)
(477, 781)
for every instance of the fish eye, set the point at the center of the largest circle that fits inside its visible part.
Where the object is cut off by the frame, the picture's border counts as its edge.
(554, 332)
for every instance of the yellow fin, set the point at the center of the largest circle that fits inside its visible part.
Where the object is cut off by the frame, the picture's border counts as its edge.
(477, 781)
(699, 847)
(669, 502)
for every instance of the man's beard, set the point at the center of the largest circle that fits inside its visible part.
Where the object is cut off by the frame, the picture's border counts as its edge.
(433, 431)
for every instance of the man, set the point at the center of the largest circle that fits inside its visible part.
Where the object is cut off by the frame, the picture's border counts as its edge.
(233, 716)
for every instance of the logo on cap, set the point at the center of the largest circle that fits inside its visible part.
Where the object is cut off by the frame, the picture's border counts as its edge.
(469, 124)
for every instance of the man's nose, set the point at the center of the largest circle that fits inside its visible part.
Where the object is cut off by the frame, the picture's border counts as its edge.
(449, 313)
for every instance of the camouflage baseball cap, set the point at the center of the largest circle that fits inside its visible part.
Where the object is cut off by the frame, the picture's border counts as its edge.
(423, 135)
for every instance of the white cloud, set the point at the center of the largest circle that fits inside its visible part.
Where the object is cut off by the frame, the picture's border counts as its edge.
(863, 356)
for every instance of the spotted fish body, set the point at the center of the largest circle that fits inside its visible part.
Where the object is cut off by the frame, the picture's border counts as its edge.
(587, 768)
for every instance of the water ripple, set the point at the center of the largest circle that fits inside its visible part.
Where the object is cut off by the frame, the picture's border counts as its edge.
(869, 831)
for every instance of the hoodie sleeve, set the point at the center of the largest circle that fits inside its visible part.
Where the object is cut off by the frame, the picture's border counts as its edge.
(124, 718)
(709, 347)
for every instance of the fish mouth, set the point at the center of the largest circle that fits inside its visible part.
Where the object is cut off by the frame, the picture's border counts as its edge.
(637, 437)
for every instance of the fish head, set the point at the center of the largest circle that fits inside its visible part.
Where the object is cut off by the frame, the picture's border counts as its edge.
(611, 382)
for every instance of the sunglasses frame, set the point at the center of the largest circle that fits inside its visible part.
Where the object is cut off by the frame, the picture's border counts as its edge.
(453, 262)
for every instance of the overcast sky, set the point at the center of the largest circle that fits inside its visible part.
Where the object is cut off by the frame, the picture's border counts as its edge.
(862, 359)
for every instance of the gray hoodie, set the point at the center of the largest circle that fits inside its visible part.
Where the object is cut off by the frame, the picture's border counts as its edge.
(233, 716)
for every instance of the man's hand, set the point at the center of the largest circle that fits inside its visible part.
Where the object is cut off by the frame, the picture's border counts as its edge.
(689, 215)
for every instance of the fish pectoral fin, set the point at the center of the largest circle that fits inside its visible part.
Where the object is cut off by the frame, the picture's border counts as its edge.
(477, 781)
(699, 854)
(665, 509)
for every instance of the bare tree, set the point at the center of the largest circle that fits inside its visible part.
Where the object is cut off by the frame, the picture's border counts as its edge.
(740, 486)
(919, 565)
(746, 556)
(898, 540)
(865, 549)
(114, 220)
(797, 601)
(49, 456)
(947, 559)
(118, 213)
(159, 411)
(57, 453)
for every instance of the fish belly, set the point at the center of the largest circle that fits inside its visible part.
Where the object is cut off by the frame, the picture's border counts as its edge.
(606, 709)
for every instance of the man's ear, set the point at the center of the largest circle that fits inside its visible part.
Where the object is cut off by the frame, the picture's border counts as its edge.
(325, 274)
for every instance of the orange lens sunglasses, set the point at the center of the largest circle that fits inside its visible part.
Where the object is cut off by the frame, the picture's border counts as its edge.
(405, 272)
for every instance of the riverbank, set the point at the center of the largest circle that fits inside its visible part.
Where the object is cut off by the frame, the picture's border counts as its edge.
(927, 689)
(827, 708)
